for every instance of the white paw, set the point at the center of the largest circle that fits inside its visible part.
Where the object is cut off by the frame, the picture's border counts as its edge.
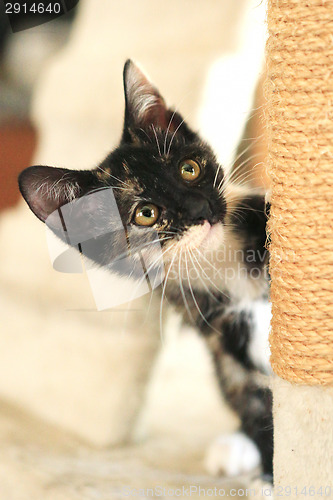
(232, 455)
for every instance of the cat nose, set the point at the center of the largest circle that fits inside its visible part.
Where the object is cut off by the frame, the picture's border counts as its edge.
(198, 209)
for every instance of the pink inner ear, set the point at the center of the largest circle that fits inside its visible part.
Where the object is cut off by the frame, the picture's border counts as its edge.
(46, 196)
(156, 114)
(42, 206)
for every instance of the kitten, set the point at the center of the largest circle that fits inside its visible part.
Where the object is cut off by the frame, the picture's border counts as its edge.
(168, 185)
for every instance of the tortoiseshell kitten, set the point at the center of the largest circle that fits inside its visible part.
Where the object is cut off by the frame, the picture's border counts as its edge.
(212, 234)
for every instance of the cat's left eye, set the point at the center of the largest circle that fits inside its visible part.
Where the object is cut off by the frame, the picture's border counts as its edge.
(190, 170)
(146, 214)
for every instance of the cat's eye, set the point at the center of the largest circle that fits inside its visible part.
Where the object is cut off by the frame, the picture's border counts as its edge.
(190, 170)
(146, 214)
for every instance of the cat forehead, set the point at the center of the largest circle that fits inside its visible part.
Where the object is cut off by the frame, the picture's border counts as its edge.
(159, 156)
(152, 171)
(136, 167)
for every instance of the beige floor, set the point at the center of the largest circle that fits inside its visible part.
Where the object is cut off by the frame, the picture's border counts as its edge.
(39, 462)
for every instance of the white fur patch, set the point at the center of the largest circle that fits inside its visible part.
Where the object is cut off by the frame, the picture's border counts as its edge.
(232, 455)
(258, 347)
(202, 236)
(259, 350)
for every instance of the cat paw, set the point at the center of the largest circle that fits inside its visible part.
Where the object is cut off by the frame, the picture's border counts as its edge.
(232, 455)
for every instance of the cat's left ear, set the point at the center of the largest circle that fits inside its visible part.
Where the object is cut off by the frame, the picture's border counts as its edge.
(46, 189)
(146, 108)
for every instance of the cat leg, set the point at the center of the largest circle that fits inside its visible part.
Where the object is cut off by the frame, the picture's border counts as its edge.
(247, 393)
(237, 343)
(257, 423)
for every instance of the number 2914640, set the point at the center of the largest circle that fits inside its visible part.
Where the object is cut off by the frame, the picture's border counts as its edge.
(33, 8)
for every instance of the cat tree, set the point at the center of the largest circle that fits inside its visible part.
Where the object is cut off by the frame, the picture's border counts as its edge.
(299, 91)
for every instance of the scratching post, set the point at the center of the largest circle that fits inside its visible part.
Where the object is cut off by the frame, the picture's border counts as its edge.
(299, 92)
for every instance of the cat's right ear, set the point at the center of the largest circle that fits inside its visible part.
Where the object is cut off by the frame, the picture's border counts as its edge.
(145, 108)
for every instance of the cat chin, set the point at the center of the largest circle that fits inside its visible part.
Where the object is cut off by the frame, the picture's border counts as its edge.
(214, 238)
(203, 237)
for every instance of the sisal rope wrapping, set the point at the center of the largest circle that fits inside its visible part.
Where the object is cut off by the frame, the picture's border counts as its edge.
(299, 94)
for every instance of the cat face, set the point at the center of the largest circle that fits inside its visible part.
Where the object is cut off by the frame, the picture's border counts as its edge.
(163, 177)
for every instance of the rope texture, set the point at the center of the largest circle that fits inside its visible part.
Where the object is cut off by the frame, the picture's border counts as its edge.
(299, 112)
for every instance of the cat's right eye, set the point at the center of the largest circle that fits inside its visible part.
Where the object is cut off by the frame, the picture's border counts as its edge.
(146, 214)
(190, 170)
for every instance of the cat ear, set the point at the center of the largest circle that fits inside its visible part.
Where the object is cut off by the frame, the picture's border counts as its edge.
(46, 189)
(145, 107)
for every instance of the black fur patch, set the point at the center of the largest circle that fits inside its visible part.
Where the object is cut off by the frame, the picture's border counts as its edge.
(236, 334)
(249, 220)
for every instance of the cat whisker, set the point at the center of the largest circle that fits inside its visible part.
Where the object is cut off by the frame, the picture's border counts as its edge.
(167, 131)
(242, 181)
(240, 198)
(173, 136)
(208, 278)
(139, 284)
(251, 144)
(173, 235)
(214, 269)
(235, 197)
(121, 188)
(168, 232)
(240, 213)
(188, 310)
(172, 117)
(149, 138)
(204, 273)
(114, 177)
(237, 181)
(153, 285)
(158, 261)
(239, 216)
(231, 177)
(250, 209)
(193, 296)
(140, 247)
(247, 159)
(216, 175)
(158, 145)
(104, 188)
(244, 175)
(175, 229)
(163, 294)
